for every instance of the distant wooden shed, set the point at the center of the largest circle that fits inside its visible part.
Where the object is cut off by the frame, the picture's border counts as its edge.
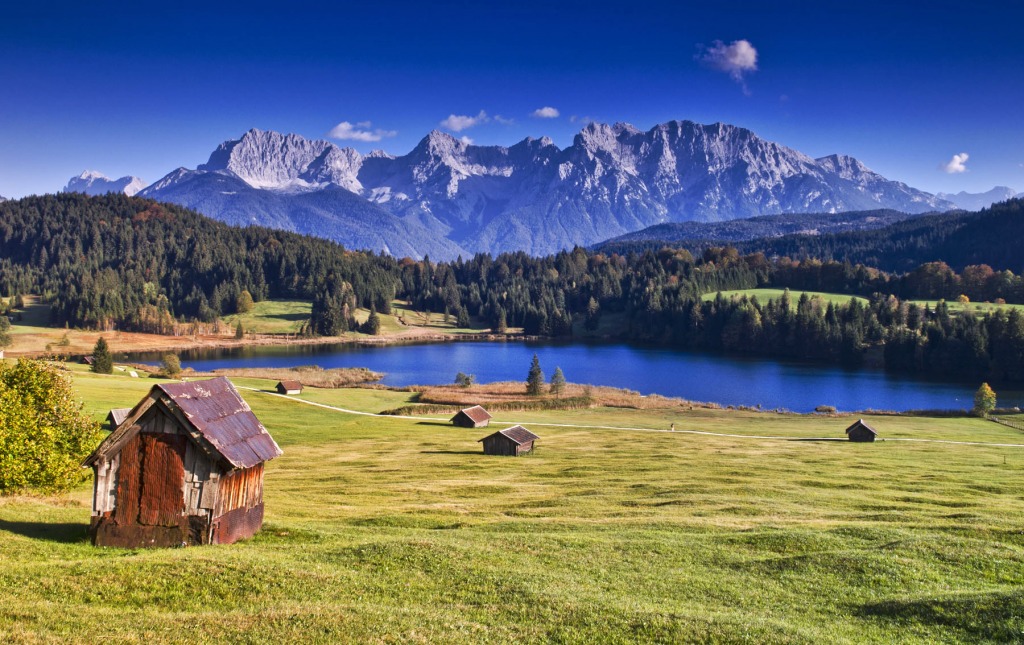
(117, 416)
(474, 417)
(185, 467)
(88, 360)
(510, 442)
(289, 387)
(861, 431)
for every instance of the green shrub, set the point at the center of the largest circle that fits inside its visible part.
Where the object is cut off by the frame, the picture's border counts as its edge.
(44, 436)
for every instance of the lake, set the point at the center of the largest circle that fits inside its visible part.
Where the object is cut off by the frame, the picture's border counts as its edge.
(728, 380)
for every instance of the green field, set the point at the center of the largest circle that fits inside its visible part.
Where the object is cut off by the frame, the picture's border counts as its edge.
(273, 317)
(764, 295)
(399, 530)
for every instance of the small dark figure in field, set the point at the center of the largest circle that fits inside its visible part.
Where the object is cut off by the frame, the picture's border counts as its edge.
(672, 427)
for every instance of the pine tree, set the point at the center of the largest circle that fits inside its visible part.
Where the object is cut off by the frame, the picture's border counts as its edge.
(102, 359)
(557, 382)
(239, 331)
(372, 324)
(535, 379)
(984, 400)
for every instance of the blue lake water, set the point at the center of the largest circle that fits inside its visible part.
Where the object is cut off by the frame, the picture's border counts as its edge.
(728, 380)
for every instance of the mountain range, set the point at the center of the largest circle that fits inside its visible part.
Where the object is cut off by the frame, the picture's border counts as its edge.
(978, 201)
(447, 197)
(92, 182)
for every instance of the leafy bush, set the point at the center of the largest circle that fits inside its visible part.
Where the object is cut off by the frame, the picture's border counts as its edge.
(170, 365)
(44, 436)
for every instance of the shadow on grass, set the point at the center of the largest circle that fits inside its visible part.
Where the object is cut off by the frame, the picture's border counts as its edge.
(824, 439)
(994, 616)
(451, 452)
(66, 532)
(437, 423)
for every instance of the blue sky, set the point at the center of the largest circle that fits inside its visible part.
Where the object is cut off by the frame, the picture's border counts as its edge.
(126, 89)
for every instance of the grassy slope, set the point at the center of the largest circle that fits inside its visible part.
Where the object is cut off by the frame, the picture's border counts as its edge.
(387, 530)
(764, 295)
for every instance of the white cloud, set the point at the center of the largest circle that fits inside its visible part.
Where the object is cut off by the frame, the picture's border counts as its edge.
(466, 140)
(359, 132)
(546, 112)
(736, 59)
(956, 165)
(503, 121)
(458, 123)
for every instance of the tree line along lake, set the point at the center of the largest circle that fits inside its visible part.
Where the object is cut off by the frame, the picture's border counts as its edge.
(696, 376)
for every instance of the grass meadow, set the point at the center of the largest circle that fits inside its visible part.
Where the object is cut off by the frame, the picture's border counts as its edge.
(764, 295)
(386, 530)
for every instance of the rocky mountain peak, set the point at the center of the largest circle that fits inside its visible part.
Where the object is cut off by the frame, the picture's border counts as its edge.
(92, 182)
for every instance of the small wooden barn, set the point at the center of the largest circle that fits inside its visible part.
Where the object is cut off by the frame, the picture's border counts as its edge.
(117, 416)
(289, 387)
(861, 431)
(88, 360)
(474, 417)
(510, 442)
(185, 467)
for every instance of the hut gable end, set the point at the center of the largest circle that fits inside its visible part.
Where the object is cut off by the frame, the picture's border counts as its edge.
(184, 467)
(474, 417)
(513, 441)
(861, 431)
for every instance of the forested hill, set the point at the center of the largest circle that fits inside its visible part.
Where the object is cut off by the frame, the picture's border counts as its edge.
(132, 263)
(141, 264)
(991, 236)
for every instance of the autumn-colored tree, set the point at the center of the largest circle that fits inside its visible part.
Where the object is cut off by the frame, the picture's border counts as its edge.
(170, 365)
(244, 303)
(984, 400)
(44, 434)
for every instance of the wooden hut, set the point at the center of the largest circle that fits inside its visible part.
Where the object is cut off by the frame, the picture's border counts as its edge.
(184, 468)
(510, 442)
(474, 417)
(88, 360)
(117, 416)
(289, 387)
(861, 431)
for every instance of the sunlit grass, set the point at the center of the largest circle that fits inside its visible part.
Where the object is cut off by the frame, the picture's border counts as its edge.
(400, 530)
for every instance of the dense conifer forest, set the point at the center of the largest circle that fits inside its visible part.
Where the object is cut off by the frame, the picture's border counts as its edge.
(132, 263)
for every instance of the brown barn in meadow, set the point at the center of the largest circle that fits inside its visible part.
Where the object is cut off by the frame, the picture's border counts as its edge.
(510, 442)
(289, 387)
(474, 417)
(184, 468)
(861, 431)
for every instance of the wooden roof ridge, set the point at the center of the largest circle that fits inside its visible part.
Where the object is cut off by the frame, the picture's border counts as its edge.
(476, 413)
(863, 424)
(214, 410)
(518, 434)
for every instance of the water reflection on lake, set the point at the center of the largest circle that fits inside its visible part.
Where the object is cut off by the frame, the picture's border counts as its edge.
(728, 380)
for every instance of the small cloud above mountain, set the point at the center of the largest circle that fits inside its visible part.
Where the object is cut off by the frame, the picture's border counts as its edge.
(957, 164)
(458, 123)
(737, 59)
(546, 112)
(360, 131)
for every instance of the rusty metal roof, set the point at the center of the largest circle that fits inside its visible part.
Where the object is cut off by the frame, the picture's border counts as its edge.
(476, 413)
(216, 409)
(518, 434)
